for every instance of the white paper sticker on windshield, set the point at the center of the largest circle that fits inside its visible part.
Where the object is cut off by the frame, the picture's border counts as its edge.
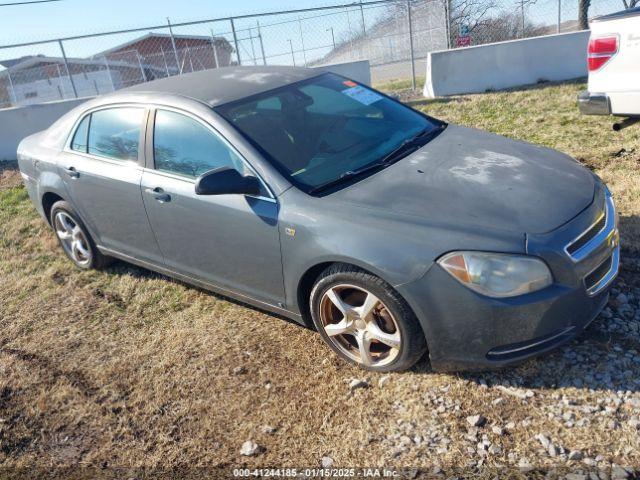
(362, 95)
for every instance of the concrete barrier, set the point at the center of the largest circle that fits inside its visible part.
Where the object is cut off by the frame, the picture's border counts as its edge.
(507, 64)
(358, 71)
(20, 122)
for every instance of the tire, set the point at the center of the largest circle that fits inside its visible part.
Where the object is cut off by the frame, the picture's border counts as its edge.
(382, 325)
(74, 238)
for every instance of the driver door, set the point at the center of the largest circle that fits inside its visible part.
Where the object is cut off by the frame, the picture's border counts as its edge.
(231, 241)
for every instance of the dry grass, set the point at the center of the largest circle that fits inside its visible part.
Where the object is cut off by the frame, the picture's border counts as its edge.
(125, 368)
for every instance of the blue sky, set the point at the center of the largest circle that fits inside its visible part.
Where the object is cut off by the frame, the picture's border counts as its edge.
(71, 17)
(29, 23)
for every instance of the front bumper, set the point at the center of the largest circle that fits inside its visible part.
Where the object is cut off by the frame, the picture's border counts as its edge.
(594, 103)
(469, 331)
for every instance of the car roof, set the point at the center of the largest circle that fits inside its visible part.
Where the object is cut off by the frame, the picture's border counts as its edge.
(223, 85)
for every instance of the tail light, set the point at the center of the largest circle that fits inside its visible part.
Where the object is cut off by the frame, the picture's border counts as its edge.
(601, 50)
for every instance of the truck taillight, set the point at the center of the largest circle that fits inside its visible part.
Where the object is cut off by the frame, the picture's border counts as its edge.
(601, 50)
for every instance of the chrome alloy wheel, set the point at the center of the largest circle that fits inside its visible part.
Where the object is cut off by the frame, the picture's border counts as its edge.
(360, 325)
(72, 238)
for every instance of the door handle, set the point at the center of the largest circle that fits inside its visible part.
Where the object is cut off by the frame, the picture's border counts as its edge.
(72, 172)
(159, 194)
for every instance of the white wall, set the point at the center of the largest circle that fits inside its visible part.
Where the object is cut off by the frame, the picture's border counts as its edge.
(20, 122)
(507, 64)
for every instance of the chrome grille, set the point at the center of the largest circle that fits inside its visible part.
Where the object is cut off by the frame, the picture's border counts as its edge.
(602, 233)
(591, 232)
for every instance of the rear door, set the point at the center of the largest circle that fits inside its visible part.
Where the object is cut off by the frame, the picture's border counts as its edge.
(102, 170)
(231, 241)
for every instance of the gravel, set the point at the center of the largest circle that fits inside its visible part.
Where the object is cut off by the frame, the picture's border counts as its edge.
(589, 385)
(476, 420)
(326, 462)
(357, 383)
(250, 448)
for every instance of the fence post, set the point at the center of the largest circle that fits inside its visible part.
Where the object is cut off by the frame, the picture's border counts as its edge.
(333, 38)
(447, 12)
(12, 89)
(215, 53)
(164, 59)
(411, 52)
(144, 76)
(60, 85)
(293, 57)
(106, 63)
(173, 44)
(264, 58)
(304, 53)
(559, 15)
(253, 47)
(66, 65)
(235, 41)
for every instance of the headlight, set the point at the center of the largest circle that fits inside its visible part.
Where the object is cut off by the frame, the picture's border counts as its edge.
(497, 274)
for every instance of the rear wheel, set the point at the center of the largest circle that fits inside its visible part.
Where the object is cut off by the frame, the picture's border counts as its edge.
(74, 237)
(365, 321)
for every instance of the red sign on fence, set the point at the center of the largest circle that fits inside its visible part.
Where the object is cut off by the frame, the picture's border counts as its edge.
(463, 41)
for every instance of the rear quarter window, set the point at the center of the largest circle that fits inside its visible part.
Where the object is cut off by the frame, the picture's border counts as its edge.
(79, 142)
(115, 133)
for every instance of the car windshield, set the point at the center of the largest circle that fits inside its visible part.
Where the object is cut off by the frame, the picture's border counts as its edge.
(322, 130)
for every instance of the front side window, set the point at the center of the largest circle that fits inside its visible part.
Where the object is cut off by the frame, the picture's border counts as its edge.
(321, 130)
(79, 142)
(115, 133)
(184, 146)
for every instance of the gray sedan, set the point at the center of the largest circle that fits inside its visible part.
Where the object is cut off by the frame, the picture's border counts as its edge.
(315, 197)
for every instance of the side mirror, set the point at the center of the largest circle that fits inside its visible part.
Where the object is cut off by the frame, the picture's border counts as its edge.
(226, 181)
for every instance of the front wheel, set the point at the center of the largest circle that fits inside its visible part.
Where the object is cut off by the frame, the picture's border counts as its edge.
(365, 321)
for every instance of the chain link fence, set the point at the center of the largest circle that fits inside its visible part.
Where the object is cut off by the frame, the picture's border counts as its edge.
(395, 36)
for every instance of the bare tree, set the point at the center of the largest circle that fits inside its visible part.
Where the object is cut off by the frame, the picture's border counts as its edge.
(471, 13)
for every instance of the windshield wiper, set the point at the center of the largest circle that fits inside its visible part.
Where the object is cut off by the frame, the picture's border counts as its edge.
(407, 146)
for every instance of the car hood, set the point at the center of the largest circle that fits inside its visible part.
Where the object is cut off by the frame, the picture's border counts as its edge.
(470, 177)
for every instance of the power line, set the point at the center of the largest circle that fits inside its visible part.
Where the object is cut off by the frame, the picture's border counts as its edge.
(27, 3)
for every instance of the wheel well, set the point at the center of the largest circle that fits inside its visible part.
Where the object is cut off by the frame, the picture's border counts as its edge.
(305, 286)
(48, 199)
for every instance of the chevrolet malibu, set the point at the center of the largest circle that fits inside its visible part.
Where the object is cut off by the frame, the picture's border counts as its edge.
(315, 197)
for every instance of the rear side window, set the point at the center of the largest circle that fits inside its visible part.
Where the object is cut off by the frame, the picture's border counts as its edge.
(79, 142)
(115, 133)
(184, 146)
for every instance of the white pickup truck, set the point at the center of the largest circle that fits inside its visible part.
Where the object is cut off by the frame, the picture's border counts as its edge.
(614, 67)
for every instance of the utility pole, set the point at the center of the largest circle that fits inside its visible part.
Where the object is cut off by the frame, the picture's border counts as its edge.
(364, 26)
